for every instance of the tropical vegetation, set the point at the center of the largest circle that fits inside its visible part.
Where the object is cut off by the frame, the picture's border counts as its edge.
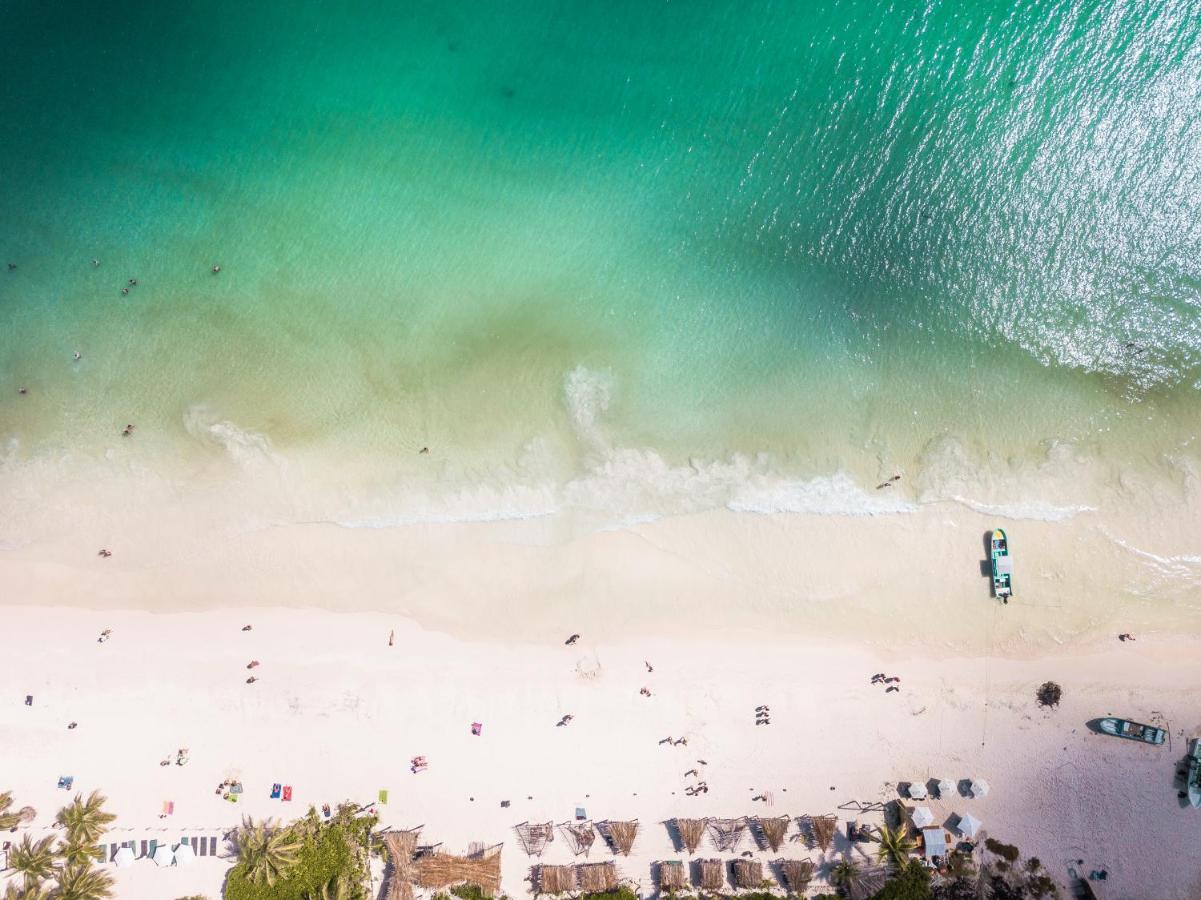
(895, 846)
(65, 872)
(310, 859)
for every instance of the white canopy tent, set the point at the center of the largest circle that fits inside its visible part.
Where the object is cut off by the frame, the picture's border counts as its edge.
(969, 825)
(923, 817)
(980, 788)
(184, 854)
(124, 858)
(917, 790)
(163, 856)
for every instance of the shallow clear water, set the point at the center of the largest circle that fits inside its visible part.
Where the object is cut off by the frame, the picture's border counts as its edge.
(625, 258)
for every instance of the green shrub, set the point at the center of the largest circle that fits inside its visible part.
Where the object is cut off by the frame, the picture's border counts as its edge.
(622, 893)
(1007, 852)
(911, 883)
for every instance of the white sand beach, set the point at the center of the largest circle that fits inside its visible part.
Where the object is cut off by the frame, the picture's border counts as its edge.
(337, 714)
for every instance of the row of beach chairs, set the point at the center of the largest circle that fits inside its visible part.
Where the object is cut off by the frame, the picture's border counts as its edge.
(202, 846)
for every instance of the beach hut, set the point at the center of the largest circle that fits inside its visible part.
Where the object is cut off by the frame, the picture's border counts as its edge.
(124, 858)
(555, 879)
(672, 876)
(922, 817)
(438, 871)
(980, 788)
(185, 855)
(712, 875)
(797, 874)
(969, 825)
(619, 835)
(535, 837)
(690, 831)
(726, 833)
(579, 836)
(594, 878)
(917, 790)
(769, 833)
(163, 856)
(934, 842)
(748, 874)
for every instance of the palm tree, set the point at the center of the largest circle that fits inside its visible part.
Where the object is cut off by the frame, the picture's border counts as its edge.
(337, 888)
(7, 820)
(267, 853)
(85, 819)
(35, 891)
(82, 882)
(895, 846)
(73, 852)
(34, 860)
(855, 881)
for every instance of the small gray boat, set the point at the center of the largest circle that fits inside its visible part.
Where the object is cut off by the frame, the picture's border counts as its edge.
(1133, 731)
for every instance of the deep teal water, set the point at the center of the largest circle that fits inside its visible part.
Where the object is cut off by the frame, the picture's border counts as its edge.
(534, 235)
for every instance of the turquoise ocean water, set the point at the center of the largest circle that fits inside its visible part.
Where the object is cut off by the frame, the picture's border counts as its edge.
(626, 258)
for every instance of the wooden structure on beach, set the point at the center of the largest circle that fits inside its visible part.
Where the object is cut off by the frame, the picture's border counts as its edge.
(596, 877)
(726, 833)
(535, 836)
(769, 833)
(580, 837)
(672, 876)
(748, 874)
(435, 870)
(712, 874)
(797, 874)
(690, 832)
(821, 830)
(554, 879)
(619, 835)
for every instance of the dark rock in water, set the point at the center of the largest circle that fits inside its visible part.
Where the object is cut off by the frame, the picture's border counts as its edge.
(508, 93)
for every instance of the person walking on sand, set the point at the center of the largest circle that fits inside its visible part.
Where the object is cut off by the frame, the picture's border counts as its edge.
(565, 720)
(391, 637)
(649, 667)
(1126, 637)
(571, 640)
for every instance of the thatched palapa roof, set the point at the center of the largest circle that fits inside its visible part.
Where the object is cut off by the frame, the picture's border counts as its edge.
(672, 876)
(822, 830)
(690, 831)
(401, 846)
(748, 873)
(619, 835)
(712, 872)
(797, 874)
(726, 833)
(770, 832)
(441, 870)
(555, 879)
(535, 837)
(579, 836)
(595, 877)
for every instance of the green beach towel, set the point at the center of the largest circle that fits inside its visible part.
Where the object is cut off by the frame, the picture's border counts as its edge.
(383, 797)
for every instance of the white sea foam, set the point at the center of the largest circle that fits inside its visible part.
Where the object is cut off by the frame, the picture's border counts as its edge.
(244, 447)
(1032, 509)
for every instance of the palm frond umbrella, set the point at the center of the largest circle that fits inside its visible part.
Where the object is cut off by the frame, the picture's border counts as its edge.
(980, 788)
(917, 790)
(124, 858)
(923, 817)
(163, 856)
(184, 854)
(969, 825)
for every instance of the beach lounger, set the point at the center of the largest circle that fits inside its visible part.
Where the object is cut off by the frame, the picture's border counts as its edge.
(143, 852)
(201, 846)
(288, 792)
(153, 846)
(212, 846)
(275, 791)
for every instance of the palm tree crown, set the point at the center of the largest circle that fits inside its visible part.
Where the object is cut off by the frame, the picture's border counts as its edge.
(34, 860)
(35, 891)
(7, 820)
(267, 853)
(82, 882)
(85, 819)
(895, 845)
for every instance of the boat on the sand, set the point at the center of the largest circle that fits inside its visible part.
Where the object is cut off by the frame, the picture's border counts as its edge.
(1133, 731)
(1002, 565)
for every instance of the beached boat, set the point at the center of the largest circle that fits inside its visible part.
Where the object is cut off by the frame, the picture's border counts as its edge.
(1124, 728)
(1002, 566)
(1194, 774)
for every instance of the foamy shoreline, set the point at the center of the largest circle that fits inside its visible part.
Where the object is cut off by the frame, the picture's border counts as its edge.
(337, 713)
